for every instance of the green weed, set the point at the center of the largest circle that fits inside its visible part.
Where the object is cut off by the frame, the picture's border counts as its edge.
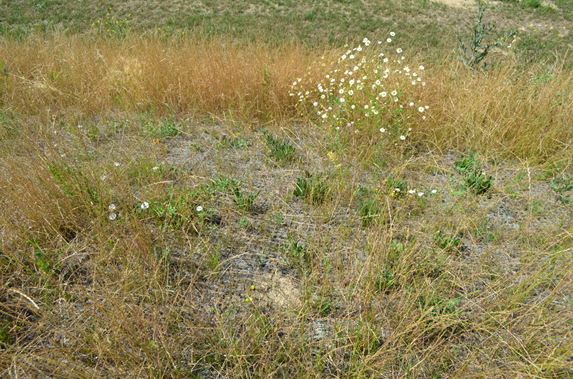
(475, 179)
(312, 188)
(280, 150)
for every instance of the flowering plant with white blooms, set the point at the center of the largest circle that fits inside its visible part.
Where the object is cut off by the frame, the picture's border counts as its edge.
(368, 87)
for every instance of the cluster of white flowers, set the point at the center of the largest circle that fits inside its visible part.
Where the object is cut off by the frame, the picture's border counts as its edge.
(112, 212)
(368, 85)
(415, 192)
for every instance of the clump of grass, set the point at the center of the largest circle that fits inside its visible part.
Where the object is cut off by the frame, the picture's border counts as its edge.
(166, 128)
(475, 178)
(238, 143)
(177, 210)
(313, 188)
(244, 200)
(297, 254)
(532, 3)
(368, 206)
(448, 242)
(280, 150)
(397, 187)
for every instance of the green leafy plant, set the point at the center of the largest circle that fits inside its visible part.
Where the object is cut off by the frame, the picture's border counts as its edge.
(166, 128)
(475, 179)
(280, 150)
(368, 206)
(563, 186)
(448, 242)
(313, 189)
(385, 281)
(297, 254)
(244, 200)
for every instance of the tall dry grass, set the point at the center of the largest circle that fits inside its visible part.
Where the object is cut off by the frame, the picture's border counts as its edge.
(95, 76)
(524, 113)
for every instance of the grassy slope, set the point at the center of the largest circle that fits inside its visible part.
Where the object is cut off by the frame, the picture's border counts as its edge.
(302, 260)
(424, 24)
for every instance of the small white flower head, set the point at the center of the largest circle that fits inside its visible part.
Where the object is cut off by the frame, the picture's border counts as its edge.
(342, 100)
(366, 41)
(399, 50)
(112, 207)
(315, 104)
(411, 104)
(116, 164)
(412, 191)
(351, 92)
(324, 116)
(199, 208)
(420, 194)
(394, 93)
(144, 205)
(382, 130)
(397, 189)
(353, 106)
(385, 60)
(341, 91)
(80, 126)
(112, 216)
(392, 34)
(434, 191)
(366, 106)
(351, 56)
(402, 138)
(155, 168)
(383, 94)
(427, 106)
(421, 67)
(389, 40)
(421, 109)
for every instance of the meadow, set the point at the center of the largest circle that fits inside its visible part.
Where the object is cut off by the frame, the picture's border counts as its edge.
(255, 189)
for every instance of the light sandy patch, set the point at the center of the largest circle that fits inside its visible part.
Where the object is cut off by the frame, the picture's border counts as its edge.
(282, 291)
(456, 3)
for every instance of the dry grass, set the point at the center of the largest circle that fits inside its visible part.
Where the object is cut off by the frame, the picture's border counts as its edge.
(74, 75)
(523, 114)
(289, 288)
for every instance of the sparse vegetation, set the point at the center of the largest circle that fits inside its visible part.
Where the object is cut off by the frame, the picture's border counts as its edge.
(168, 209)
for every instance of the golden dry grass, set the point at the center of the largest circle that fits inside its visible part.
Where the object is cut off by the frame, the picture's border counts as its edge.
(523, 113)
